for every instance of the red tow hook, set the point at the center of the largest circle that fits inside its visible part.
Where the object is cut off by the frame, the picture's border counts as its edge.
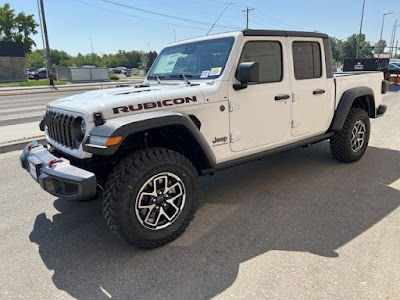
(30, 146)
(52, 162)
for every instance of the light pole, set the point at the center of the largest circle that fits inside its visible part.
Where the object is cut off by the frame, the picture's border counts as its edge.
(91, 47)
(393, 38)
(383, 22)
(359, 36)
(227, 5)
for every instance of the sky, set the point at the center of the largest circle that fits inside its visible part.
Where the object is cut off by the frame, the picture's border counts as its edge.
(110, 25)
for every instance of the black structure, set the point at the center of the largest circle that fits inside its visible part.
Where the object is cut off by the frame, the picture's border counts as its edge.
(12, 62)
(12, 49)
(365, 64)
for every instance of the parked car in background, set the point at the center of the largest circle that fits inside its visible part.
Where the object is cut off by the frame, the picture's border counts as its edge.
(128, 72)
(39, 74)
(395, 61)
(119, 70)
(393, 69)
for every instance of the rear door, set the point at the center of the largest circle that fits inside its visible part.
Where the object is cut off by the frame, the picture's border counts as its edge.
(312, 101)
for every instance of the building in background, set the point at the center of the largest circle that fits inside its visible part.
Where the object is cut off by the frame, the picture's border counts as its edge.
(12, 62)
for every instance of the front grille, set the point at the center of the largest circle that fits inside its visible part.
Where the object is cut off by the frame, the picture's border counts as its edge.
(59, 128)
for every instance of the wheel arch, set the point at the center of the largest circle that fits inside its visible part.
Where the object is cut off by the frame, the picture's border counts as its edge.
(173, 130)
(360, 97)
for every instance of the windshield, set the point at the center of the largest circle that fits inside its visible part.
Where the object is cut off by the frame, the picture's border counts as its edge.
(198, 60)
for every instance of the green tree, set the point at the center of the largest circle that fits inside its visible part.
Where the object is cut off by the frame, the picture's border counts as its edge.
(337, 52)
(349, 47)
(380, 47)
(57, 56)
(35, 59)
(152, 55)
(17, 28)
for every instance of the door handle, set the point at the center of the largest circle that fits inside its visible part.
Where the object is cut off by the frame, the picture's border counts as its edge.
(318, 92)
(281, 97)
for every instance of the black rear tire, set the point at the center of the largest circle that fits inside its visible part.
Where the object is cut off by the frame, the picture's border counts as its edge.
(142, 218)
(347, 144)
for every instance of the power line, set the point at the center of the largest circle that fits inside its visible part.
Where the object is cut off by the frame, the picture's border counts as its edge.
(278, 22)
(134, 16)
(163, 15)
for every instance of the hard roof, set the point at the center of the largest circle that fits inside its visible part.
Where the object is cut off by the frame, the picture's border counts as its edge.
(257, 32)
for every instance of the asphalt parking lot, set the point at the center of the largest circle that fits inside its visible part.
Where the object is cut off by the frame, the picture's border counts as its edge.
(297, 225)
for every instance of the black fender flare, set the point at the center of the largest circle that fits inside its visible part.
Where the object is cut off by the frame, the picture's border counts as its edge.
(127, 125)
(345, 103)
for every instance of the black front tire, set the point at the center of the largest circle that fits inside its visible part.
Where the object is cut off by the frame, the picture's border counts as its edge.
(36, 77)
(129, 207)
(341, 143)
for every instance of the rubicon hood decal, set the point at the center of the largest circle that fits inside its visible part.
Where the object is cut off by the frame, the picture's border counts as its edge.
(151, 105)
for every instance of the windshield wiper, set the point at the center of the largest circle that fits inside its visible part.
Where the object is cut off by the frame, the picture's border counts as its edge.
(185, 77)
(157, 77)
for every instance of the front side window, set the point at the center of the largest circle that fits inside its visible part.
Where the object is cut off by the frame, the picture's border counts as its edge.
(269, 55)
(307, 60)
(198, 60)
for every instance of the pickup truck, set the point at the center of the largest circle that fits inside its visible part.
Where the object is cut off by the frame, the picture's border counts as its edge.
(207, 104)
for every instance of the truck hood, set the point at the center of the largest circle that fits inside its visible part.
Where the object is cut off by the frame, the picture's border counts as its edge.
(117, 102)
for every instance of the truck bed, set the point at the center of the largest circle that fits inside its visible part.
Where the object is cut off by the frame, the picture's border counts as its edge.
(347, 80)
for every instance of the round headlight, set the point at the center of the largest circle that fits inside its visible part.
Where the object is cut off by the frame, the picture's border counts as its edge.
(78, 129)
(83, 127)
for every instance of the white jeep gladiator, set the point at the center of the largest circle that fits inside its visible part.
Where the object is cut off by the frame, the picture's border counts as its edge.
(206, 104)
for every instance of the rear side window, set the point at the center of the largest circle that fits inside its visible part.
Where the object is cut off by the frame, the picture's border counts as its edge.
(269, 55)
(307, 60)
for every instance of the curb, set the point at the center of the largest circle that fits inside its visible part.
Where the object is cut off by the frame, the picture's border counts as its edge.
(19, 145)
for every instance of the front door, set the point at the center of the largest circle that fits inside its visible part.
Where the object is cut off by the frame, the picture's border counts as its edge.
(260, 113)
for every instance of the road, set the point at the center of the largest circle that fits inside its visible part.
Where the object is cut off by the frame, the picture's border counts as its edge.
(19, 109)
(297, 225)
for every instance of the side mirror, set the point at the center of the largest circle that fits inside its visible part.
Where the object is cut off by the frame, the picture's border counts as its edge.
(247, 72)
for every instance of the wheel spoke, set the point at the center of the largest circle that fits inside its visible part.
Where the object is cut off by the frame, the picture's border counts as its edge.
(166, 215)
(172, 199)
(148, 216)
(171, 187)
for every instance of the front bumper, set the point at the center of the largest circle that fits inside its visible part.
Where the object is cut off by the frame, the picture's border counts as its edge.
(56, 175)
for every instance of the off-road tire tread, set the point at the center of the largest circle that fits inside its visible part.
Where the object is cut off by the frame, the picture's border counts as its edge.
(129, 170)
(338, 143)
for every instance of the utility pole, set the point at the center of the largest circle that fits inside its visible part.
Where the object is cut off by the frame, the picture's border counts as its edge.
(46, 38)
(383, 22)
(359, 36)
(247, 10)
(395, 51)
(41, 34)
